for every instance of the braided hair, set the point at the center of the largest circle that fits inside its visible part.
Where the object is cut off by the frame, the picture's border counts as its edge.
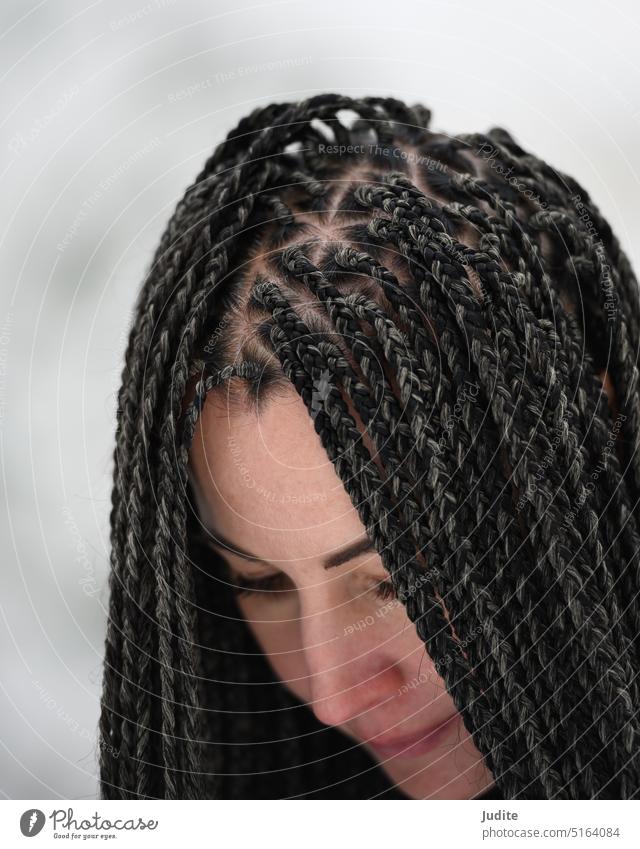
(457, 298)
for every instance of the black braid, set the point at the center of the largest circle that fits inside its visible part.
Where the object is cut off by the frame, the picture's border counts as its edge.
(404, 265)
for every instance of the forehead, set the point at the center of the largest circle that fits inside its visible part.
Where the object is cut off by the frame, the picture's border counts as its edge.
(267, 484)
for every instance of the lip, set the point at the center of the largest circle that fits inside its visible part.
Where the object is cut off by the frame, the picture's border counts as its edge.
(414, 745)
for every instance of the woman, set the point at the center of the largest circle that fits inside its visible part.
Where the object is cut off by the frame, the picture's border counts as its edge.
(395, 553)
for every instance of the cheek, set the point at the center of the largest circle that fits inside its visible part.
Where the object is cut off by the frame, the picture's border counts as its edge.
(278, 635)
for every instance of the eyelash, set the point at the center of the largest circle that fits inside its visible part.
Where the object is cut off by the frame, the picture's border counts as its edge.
(244, 586)
(274, 584)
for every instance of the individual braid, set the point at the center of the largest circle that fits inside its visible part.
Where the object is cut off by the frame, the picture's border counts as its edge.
(408, 275)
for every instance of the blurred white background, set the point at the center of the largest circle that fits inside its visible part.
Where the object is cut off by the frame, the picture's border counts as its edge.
(109, 110)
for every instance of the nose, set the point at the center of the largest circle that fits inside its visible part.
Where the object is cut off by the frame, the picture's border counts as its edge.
(350, 673)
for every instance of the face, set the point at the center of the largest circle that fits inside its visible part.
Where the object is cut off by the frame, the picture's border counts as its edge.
(323, 617)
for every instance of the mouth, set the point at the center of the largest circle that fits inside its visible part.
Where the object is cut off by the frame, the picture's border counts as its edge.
(414, 745)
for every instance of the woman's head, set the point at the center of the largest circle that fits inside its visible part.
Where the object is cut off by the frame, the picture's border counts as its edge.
(396, 338)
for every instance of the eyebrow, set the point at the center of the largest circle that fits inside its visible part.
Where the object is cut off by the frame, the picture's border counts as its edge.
(338, 558)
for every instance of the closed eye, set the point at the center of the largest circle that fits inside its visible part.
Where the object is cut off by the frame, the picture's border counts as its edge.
(276, 585)
(272, 586)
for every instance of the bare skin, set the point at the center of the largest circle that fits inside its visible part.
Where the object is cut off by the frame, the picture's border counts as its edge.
(267, 487)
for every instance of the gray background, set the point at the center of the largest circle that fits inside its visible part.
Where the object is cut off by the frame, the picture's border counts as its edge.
(109, 109)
